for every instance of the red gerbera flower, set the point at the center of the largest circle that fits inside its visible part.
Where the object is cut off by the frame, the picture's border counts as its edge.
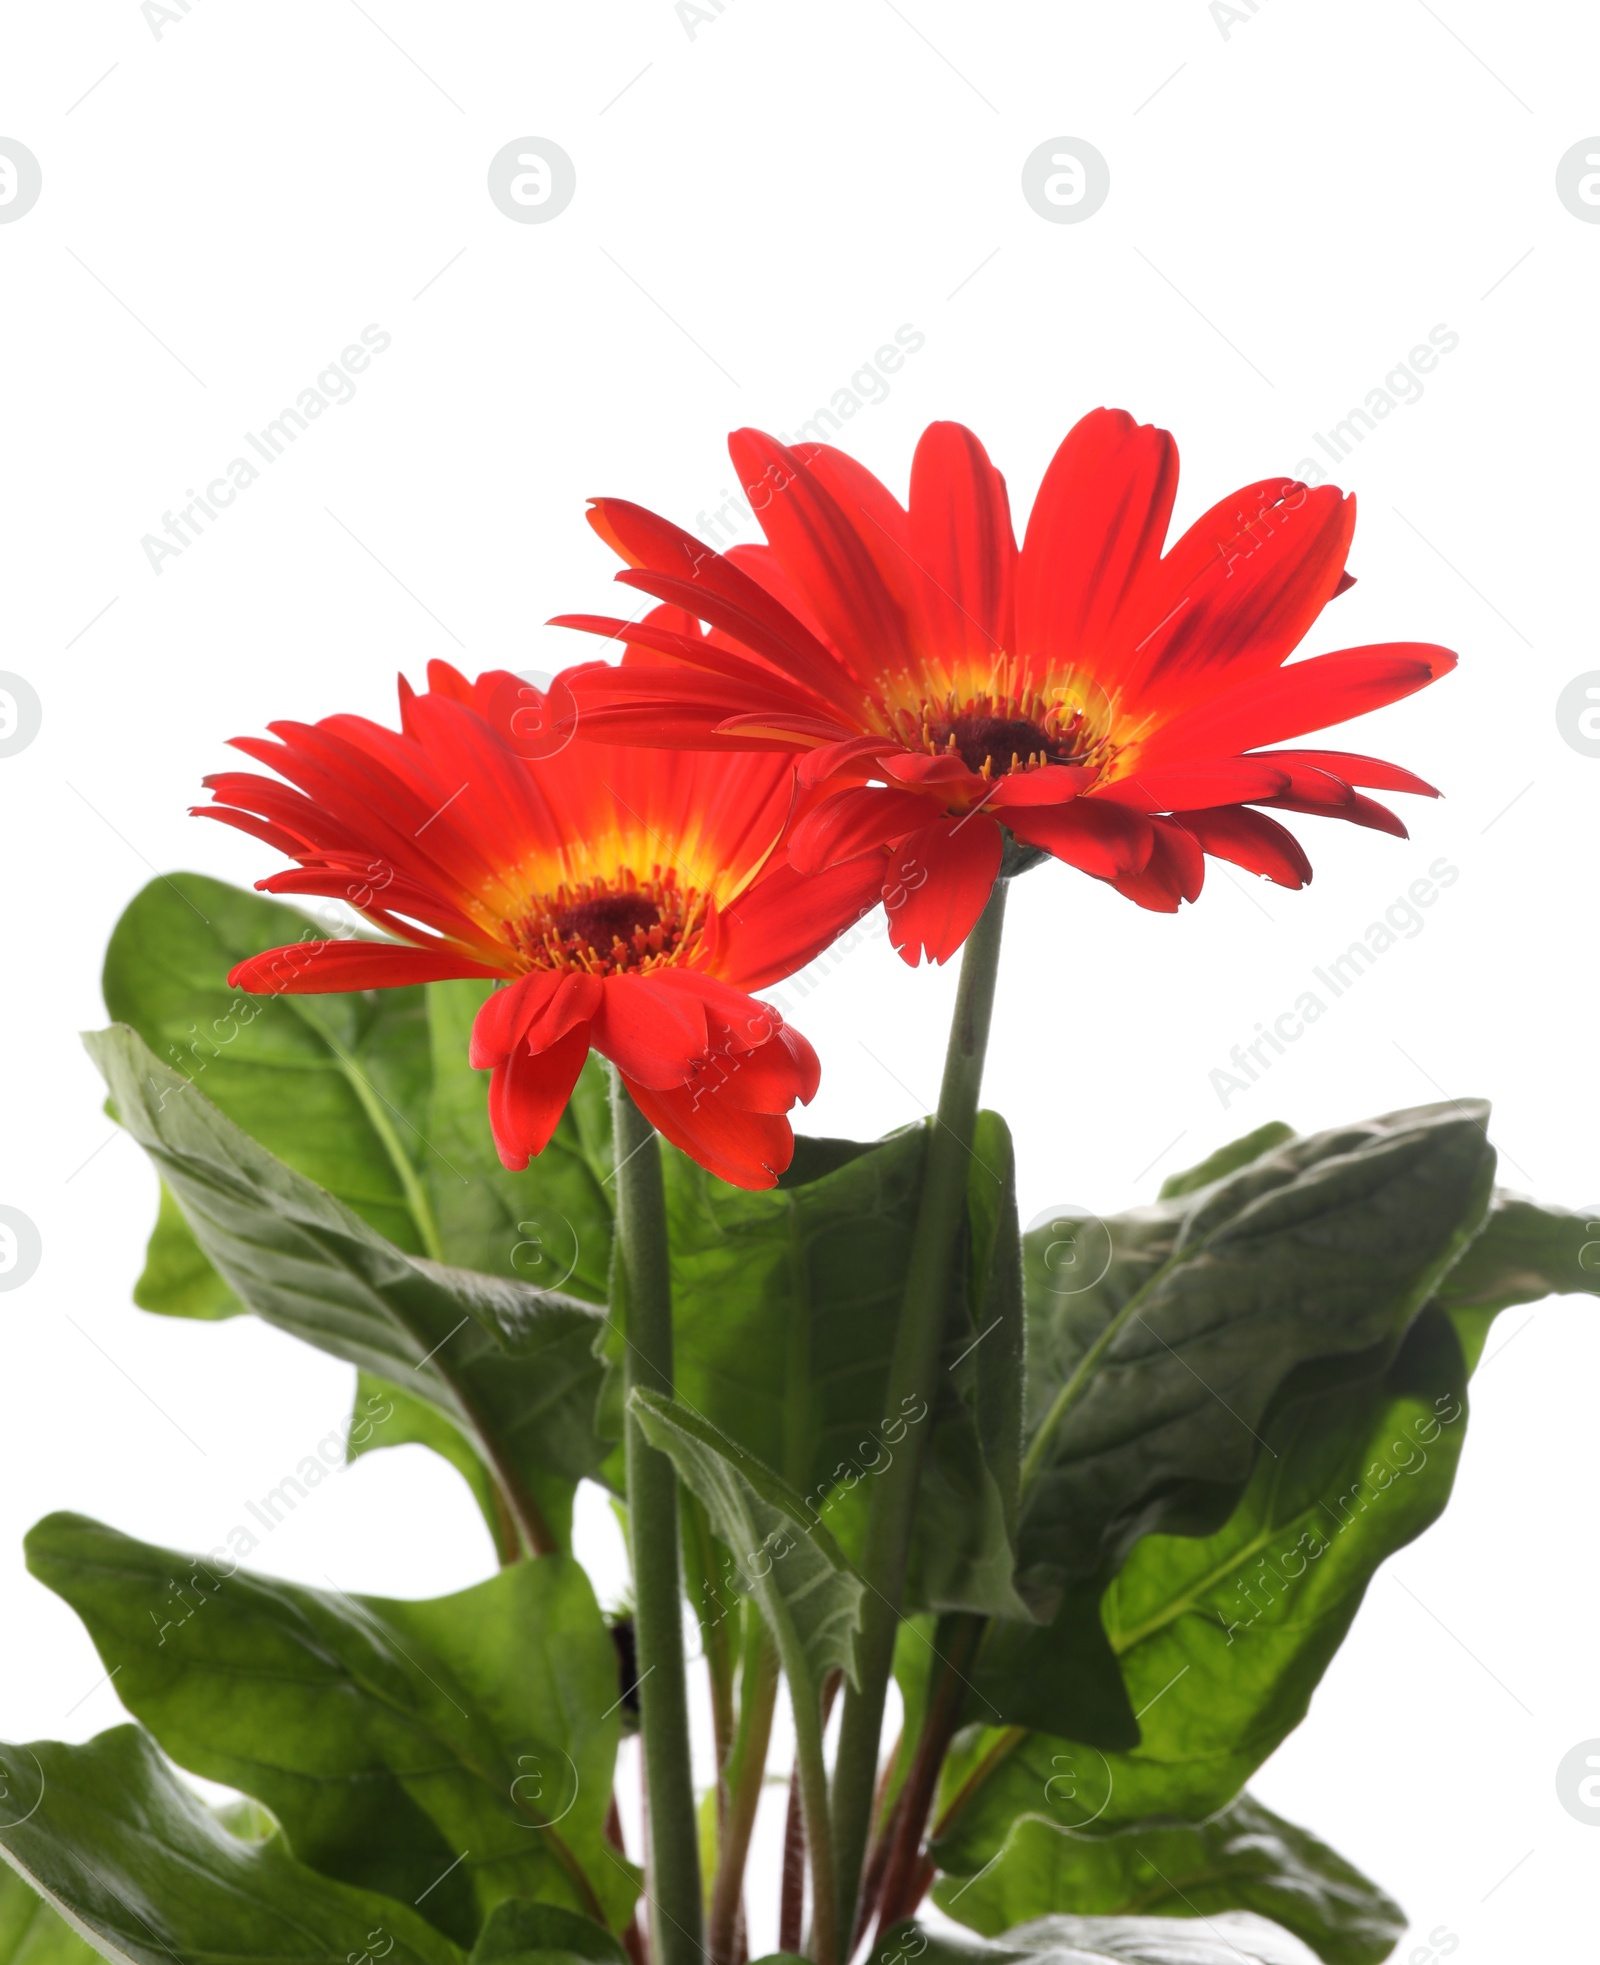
(1096, 699)
(630, 899)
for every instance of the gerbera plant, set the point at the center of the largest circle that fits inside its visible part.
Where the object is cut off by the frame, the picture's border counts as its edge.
(502, 1124)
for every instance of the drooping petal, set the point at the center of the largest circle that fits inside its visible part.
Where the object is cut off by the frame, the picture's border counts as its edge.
(1372, 772)
(1250, 840)
(1092, 834)
(1175, 872)
(938, 882)
(651, 1034)
(528, 1094)
(746, 1149)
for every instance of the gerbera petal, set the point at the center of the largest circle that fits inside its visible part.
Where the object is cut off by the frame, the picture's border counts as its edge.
(1250, 840)
(961, 538)
(1309, 695)
(1207, 781)
(938, 882)
(1175, 873)
(528, 1094)
(822, 552)
(650, 1034)
(1091, 834)
(746, 1149)
(1052, 784)
(1372, 772)
(321, 968)
(789, 918)
(1358, 811)
(849, 823)
(1094, 535)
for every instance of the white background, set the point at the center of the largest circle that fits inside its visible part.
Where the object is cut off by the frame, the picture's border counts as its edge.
(1302, 200)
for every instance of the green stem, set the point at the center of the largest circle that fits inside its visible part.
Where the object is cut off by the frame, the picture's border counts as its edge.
(642, 1306)
(759, 1696)
(812, 1768)
(941, 1213)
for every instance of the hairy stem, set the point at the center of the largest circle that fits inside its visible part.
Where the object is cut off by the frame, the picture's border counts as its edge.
(642, 1307)
(792, 1895)
(758, 1695)
(957, 1640)
(941, 1212)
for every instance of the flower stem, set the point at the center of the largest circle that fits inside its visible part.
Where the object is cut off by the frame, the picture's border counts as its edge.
(941, 1213)
(758, 1697)
(641, 1293)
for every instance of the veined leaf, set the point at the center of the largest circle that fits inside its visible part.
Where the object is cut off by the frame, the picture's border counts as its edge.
(141, 1868)
(454, 1752)
(522, 1933)
(32, 1932)
(511, 1366)
(781, 1555)
(1233, 1938)
(1245, 1858)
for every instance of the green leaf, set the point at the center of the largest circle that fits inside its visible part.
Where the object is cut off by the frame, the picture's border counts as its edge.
(551, 1224)
(522, 1933)
(142, 1869)
(510, 1366)
(1233, 1938)
(785, 1306)
(1227, 1160)
(1149, 1388)
(31, 1932)
(335, 1085)
(177, 1281)
(1222, 1639)
(1245, 1858)
(389, 1738)
(782, 1556)
(1523, 1253)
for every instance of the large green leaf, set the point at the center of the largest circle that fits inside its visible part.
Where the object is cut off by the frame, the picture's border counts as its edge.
(1231, 1938)
(368, 1093)
(1523, 1253)
(785, 1305)
(550, 1225)
(781, 1556)
(1223, 1638)
(336, 1085)
(1150, 1386)
(511, 1366)
(142, 1869)
(1245, 1858)
(389, 1738)
(31, 1931)
(521, 1933)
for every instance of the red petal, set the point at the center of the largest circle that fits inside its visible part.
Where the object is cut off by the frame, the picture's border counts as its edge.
(1358, 811)
(748, 1149)
(649, 1033)
(1051, 784)
(1356, 770)
(1311, 695)
(535, 1013)
(1176, 871)
(1250, 840)
(849, 823)
(1094, 535)
(937, 884)
(962, 540)
(1091, 834)
(528, 1094)
(324, 968)
(1211, 781)
(789, 918)
(823, 553)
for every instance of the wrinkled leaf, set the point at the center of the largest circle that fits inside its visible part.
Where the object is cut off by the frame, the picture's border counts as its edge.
(511, 1367)
(141, 1868)
(1222, 1639)
(1233, 1938)
(781, 1555)
(1245, 1858)
(388, 1738)
(1524, 1252)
